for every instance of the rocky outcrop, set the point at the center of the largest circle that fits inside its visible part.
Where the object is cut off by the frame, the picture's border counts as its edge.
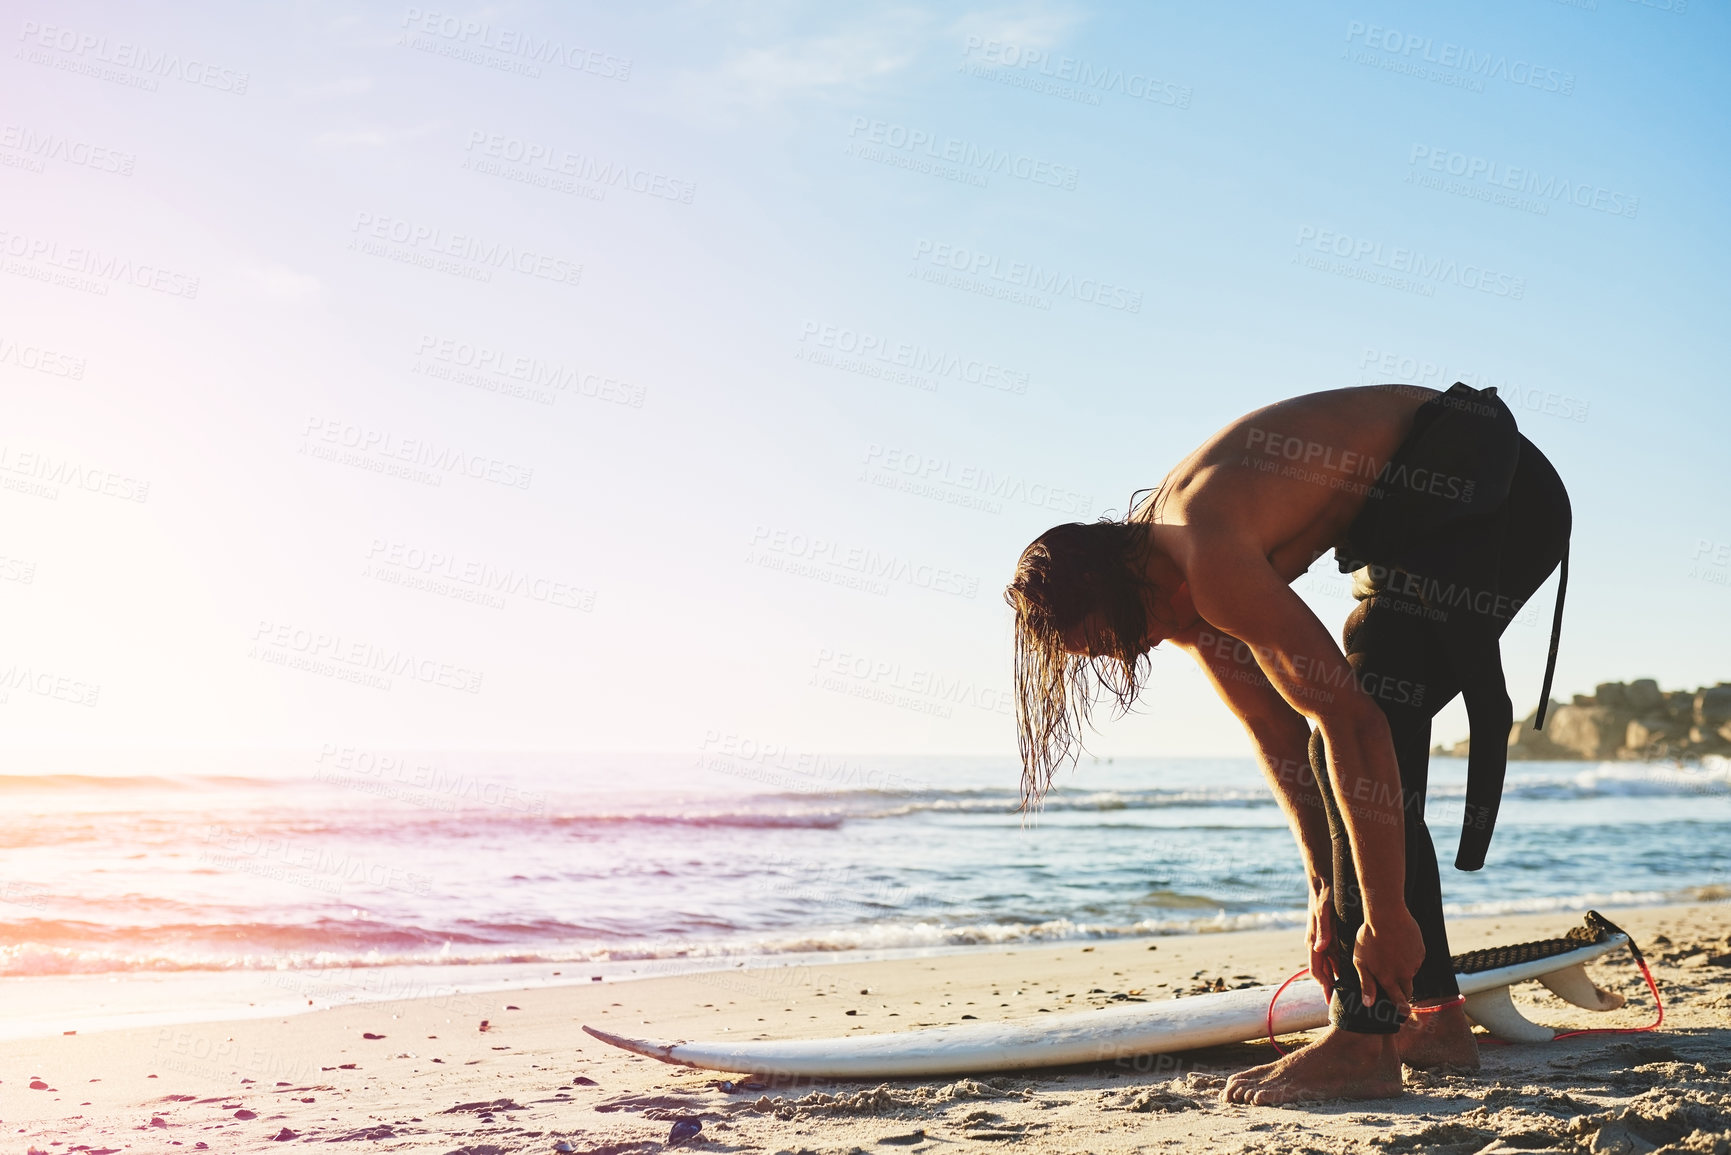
(1629, 721)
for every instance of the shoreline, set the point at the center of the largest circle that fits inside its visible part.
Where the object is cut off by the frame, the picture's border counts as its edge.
(115, 1000)
(436, 1079)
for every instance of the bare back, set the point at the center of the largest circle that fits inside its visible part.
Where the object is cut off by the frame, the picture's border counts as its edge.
(1288, 478)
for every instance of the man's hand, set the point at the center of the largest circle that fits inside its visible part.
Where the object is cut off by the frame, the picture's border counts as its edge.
(1320, 936)
(1389, 951)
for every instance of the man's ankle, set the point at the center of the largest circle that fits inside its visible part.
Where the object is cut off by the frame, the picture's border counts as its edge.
(1364, 1042)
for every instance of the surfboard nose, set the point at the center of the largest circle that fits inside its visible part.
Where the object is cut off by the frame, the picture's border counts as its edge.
(662, 1051)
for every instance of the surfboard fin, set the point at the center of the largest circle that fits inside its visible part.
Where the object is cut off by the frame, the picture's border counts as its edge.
(1495, 1012)
(1572, 985)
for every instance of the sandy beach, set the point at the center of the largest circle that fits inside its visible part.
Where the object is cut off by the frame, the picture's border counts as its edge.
(507, 1072)
(809, 523)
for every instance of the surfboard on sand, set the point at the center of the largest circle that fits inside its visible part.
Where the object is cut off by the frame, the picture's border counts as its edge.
(1126, 1030)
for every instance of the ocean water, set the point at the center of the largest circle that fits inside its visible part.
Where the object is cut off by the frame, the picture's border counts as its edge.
(364, 863)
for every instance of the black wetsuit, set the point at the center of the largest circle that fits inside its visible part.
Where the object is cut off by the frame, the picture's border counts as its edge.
(1464, 524)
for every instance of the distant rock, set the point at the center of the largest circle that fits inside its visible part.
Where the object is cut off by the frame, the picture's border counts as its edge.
(1713, 707)
(1645, 732)
(1633, 721)
(1593, 731)
(1644, 695)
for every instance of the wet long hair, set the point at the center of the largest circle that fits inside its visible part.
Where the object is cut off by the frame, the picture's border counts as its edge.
(1067, 573)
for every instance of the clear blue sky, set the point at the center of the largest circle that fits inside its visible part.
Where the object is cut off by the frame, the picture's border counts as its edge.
(795, 296)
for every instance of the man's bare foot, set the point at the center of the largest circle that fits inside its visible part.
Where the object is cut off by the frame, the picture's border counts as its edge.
(1440, 1039)
(1340, 1065)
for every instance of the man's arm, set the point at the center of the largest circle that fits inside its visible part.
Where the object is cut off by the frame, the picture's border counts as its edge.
(1280, 734)
(1282, 740)
(1234, 587)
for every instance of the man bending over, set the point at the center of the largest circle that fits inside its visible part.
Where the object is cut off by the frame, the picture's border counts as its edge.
(1448, 519)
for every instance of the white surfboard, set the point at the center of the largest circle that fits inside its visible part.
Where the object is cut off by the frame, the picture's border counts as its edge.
(1125, 1030)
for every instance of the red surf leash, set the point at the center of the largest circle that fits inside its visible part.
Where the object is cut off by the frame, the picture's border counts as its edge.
(1303, 970)
(1640, 961)
(1658, 1003)
(1594, 916)
(1442, 1006)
